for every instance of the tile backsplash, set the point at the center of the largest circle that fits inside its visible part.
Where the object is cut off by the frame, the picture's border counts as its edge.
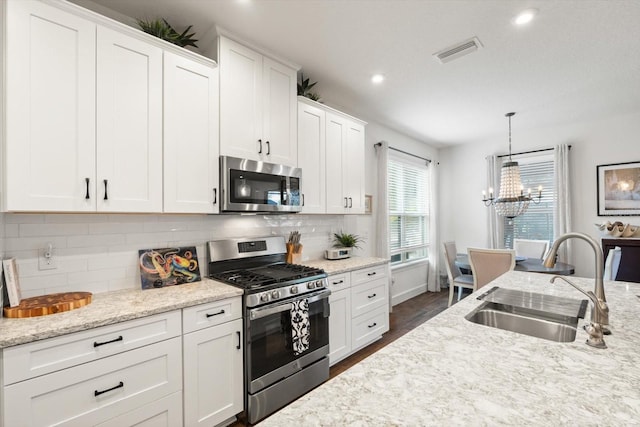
(99, 252)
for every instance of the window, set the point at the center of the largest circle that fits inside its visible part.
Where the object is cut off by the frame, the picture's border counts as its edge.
(537, 222)
(408, 210)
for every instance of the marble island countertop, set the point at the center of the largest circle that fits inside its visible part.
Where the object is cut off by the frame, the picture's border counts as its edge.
(113, 307)
(450, 371)
(344, 265)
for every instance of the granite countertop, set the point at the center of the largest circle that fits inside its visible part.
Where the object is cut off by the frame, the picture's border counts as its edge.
(449, 371)
(344, 265)
(113, 307)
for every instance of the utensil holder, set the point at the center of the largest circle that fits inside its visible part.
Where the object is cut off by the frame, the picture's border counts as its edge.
(294, 253)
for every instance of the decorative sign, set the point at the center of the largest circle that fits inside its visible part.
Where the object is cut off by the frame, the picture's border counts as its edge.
(619, 189)
(168, 267)
(12, 281)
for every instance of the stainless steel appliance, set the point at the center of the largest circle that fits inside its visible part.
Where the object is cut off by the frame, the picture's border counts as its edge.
(250, 186)
(276, 370)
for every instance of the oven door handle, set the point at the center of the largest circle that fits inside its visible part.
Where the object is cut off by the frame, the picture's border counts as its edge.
(258, 313)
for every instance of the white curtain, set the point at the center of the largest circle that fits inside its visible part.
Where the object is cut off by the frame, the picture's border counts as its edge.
(433, 279)
(494, 225)
(562, 213)
(382, 208)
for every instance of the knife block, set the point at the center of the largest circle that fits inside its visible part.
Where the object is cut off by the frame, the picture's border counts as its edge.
(294, 253)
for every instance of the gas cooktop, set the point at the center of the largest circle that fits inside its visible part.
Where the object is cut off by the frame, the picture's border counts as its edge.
(260, 277)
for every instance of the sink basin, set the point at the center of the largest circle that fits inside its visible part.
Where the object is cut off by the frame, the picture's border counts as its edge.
(535, 323)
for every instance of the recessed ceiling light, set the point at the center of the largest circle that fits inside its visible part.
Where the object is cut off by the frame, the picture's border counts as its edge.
(525, 16)
(377, 78)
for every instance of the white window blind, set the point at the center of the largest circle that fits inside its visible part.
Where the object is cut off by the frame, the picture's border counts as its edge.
(408, 193)
(537, 222)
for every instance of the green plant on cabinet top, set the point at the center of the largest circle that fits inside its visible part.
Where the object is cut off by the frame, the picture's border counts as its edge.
(160, 28)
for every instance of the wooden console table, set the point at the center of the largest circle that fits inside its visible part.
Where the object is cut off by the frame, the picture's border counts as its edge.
(629, 270)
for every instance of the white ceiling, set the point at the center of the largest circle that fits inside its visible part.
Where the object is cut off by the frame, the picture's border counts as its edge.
(579, 60)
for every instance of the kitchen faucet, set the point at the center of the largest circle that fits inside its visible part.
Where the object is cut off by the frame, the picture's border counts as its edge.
(600, 312)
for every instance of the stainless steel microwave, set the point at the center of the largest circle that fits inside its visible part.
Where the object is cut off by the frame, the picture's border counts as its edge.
(251, 186)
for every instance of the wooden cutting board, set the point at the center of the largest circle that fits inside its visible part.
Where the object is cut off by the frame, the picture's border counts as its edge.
(48, 304)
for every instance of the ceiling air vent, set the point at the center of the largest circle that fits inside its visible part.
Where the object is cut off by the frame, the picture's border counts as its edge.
(458, 50)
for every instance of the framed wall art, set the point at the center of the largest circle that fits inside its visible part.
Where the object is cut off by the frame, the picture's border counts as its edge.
(619, 189)
(168, 267)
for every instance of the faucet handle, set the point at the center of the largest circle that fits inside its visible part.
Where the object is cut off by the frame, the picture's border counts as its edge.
(595, 335)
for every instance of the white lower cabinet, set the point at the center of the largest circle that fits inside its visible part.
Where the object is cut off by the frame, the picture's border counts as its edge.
(213, 370)
(340, 318)
(359, 310)
(183, 367)
(91, 393)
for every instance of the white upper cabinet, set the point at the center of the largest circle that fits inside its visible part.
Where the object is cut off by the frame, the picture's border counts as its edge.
(312, 156)
(129, 124)
(258, 106)
(344, 164)
(50, 109)
(85, 121)
(191, 167)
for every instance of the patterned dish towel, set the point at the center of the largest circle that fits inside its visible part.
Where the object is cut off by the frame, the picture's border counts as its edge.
(300, 326)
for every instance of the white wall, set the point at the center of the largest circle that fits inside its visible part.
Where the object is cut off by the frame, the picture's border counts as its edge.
(463, 177)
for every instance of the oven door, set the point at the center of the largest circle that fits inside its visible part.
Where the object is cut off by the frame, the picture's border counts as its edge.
(270, 355)
(250, 186)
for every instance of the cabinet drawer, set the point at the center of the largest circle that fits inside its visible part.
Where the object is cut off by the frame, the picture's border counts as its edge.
(368, 274)
(165, 412)
(205, 315)
(97, 391)
(366, 297)
(339, 281)
(369, 327)
(42, 357)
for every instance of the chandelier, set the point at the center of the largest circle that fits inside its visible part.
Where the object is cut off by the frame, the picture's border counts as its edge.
(511, 200)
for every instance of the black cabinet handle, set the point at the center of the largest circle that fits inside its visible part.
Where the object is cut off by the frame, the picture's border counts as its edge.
(98, 344)
(338, 282)
(268, 148)
(371, 274)
(86, 196)
(106, 196)
(371, 296)
(239, 336)
(215, 314)
(260, 150)
(215, 196)
(302, 199)
(374, 324)
(346, 205)
(350, 202)
(99, 392)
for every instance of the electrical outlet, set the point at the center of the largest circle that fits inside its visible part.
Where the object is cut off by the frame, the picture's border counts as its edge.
(46, 260)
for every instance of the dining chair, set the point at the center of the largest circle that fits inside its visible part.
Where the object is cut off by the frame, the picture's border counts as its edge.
(535, 249)
(612, 263)
(488, 264)
(456, 278)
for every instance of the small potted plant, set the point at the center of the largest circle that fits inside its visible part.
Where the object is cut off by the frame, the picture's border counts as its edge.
(345, 242)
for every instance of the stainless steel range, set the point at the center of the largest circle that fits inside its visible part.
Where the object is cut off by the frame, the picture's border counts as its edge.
(286, 320)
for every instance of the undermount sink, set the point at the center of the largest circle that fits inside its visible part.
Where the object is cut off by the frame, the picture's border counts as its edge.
(537, 315)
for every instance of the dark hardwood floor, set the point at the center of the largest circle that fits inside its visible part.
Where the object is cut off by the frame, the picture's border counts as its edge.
(405, 317)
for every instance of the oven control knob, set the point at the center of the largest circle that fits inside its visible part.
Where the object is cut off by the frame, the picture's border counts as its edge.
(294, 290)
(264, 297)
(311, 285)
(275, 294)
(319, 284)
